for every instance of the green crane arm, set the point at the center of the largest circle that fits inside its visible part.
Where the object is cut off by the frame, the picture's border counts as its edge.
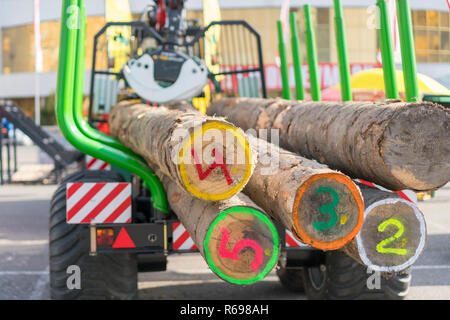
(69, 106)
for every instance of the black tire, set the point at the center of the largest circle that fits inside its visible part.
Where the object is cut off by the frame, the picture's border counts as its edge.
(291, 279)
(342, 278)
(105, 276)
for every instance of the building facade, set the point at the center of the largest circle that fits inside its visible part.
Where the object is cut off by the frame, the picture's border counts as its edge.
(431, 20)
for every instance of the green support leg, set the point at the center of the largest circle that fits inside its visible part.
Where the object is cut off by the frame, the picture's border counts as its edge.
(283, 63)
(69, 85)
(408, 50)
(296, 57)
(312, 56)
(387, 52)
(341, 44)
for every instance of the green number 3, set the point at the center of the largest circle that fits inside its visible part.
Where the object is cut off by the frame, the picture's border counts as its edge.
(381, 246)
(327, 209)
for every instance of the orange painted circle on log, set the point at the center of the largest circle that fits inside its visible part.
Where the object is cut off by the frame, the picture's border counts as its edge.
(303, 236)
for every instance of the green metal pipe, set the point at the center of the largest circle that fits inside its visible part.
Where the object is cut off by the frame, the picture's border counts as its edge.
(312, 55)
(341, 44)
(283, 63)
(68, 87)
(408, 50)
(296, 57)
(387, 52)
(80, 121)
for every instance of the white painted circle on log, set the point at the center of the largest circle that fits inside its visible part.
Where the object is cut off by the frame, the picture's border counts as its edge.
(362, 251)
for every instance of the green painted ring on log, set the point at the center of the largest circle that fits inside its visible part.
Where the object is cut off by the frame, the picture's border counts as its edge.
(393, 235)
(259, 243)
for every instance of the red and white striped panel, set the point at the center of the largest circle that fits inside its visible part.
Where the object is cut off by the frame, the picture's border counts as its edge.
(98, 203)
(408, 195)
(181, 238)
(96, 164)
(292, 241)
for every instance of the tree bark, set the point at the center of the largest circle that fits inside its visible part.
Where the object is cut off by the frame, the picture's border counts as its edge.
(238, 241)
(396, 145)
(206, 156)
(321, 207)
(393, 234)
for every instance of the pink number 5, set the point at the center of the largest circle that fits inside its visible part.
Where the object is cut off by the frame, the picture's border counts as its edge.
(244, 243)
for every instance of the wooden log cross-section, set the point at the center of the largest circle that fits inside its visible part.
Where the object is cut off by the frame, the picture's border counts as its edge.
(396, 145)
(238, 241)
(323, 208)
(393, 234)
(208, 157)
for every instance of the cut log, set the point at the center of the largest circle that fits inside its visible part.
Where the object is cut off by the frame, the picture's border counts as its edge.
(206, 156)
(393, 234)
(321, 207)
(238, 241)
(396, 145)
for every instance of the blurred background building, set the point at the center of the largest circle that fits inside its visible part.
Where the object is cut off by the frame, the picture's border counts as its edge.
(431, 21)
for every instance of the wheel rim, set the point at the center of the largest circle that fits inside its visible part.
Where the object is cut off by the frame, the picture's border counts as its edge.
(317, 277)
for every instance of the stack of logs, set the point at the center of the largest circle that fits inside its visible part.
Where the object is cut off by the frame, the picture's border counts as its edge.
(304, 185)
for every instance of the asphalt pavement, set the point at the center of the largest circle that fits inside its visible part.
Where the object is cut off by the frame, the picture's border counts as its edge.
(24, 212)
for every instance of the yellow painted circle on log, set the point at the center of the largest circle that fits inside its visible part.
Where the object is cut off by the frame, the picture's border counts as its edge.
(238, 174)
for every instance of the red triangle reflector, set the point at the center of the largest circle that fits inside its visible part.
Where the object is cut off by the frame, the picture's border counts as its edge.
(123, 240)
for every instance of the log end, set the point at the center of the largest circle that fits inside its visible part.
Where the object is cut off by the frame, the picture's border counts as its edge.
(393, 235)
(242, 245)
(416, 147)
(215, 161)
(328, 211)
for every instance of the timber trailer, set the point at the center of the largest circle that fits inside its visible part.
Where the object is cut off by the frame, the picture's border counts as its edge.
(146, 231)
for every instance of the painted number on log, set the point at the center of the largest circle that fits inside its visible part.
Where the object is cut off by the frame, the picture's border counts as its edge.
(219, 161)
(327, 209)
(244, 243)
(401, 229)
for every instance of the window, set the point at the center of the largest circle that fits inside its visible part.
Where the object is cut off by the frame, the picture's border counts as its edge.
(433, 18)
(323, 42)
(444, 20)
(17, 49)
(445, 40)
(323, 34)
(420, 18)
(432, 38)
(434, 41)
(18, 46)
